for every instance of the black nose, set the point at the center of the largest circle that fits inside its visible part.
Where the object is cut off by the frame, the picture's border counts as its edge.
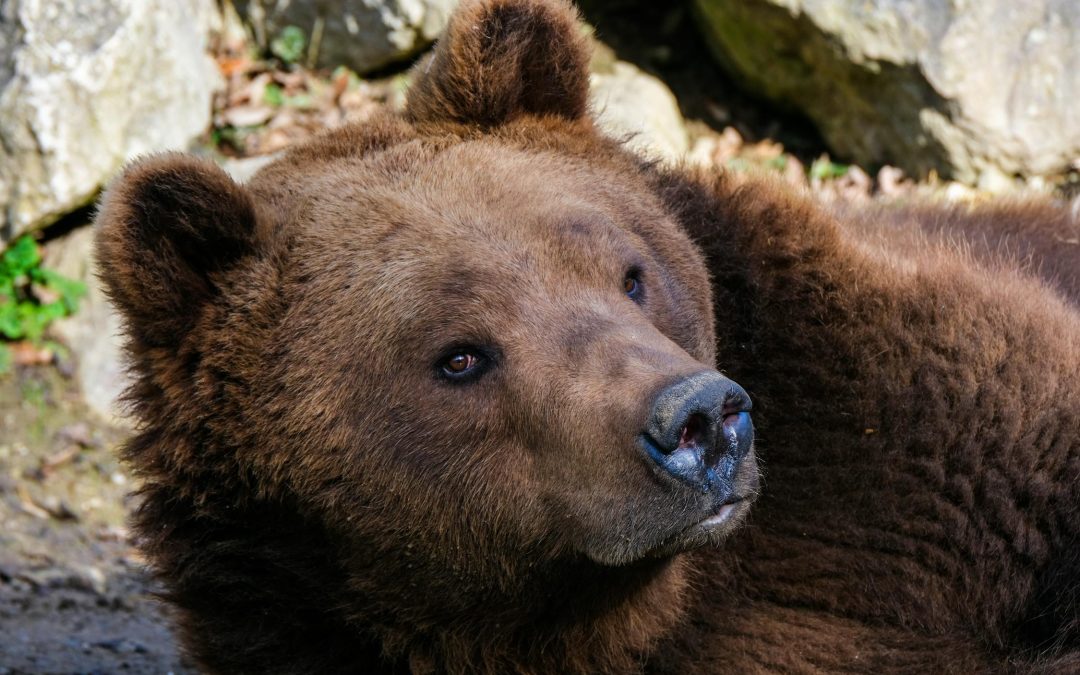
(699, 429)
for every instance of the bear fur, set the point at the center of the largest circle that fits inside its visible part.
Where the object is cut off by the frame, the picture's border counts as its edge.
(315, 499)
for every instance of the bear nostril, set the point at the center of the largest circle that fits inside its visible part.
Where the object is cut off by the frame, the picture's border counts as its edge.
(737, 430)
(699, 429)
(693, 431)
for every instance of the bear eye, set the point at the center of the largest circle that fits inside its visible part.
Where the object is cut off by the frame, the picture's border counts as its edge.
(459, 363)
(632, 285)
(462, 363)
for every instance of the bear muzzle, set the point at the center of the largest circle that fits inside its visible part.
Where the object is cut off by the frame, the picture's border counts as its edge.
(699, 431)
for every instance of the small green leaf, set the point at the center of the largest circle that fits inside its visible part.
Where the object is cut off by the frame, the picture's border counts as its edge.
(345, 71)
(301, 101)
(738, 164)
(25, 309)
(10, 321)
(824, 169)
(69, 289)
(273, 95)
(778, 163)
(32, 320)
(21, 257)
(289, 44)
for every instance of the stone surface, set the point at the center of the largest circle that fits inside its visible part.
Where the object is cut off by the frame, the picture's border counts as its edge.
(243, 170)
(86, 85)
(362, 34)
(93, 333)
(629, 103)
(963, 87)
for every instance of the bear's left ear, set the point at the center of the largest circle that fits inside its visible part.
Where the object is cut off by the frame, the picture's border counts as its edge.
(501, 59)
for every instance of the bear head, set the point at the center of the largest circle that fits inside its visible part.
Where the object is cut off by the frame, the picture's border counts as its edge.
(460, 360)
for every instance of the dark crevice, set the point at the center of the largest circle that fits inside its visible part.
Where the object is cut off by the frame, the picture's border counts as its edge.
(664, 40)
(68, 223)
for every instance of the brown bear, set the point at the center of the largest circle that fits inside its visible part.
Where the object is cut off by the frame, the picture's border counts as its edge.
(437, 393)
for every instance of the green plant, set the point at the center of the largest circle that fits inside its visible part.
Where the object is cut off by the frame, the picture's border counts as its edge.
(273, 95)
(276, 97)
(229, 136)
(738, 164)
(31, 296)
(289, 44)
(823, 169)
(778, 163)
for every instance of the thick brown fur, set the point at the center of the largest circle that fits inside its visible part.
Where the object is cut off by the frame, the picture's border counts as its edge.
(1037, 235)
(316, 499)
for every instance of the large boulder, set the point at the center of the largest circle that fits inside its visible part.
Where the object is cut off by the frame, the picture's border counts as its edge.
(86, 85)
(362, 34)
(634, 105)
(973, 90)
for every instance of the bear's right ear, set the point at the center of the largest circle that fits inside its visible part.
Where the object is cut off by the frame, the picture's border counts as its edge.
(168, 228)
(500, 59)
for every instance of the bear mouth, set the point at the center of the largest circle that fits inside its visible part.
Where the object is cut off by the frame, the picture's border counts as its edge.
(713, 529)
(728, 511)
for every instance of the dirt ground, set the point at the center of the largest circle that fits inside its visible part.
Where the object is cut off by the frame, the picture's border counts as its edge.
(74, 594)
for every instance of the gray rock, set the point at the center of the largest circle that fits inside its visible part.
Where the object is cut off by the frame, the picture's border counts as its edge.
(243, 170)
(963, 87)
(93, 333)
(361, 34)
(86, 85)
(630, 103)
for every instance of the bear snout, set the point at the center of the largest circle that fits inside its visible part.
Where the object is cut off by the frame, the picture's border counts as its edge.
(699, 431)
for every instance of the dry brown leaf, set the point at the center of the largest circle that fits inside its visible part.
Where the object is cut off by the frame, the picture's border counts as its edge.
(27, 503)
(247, 115)
(28, 354)
(728, 145)
(891, 182)
(794, 172)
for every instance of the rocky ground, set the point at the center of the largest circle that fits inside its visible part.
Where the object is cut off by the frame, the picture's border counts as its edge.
(74, 596)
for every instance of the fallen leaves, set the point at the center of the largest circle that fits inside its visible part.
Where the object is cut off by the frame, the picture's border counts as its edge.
(45, 507)
(729, 150)
(268, 105)
(26, 353)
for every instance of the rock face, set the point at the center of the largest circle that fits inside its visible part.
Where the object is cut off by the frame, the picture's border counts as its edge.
(362, 34)
(972, 88)
(86, 85)
(93, 333)
(630, 103)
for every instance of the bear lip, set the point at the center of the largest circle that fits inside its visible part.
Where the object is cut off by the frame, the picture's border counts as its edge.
(724, 520)
(723, 514)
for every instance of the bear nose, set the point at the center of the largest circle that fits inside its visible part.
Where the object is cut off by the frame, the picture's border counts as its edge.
(699, 429)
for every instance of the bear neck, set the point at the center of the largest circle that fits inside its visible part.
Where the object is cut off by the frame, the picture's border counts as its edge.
(577, 617)
(222, 564)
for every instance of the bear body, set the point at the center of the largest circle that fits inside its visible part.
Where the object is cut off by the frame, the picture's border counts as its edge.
(413, 401)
